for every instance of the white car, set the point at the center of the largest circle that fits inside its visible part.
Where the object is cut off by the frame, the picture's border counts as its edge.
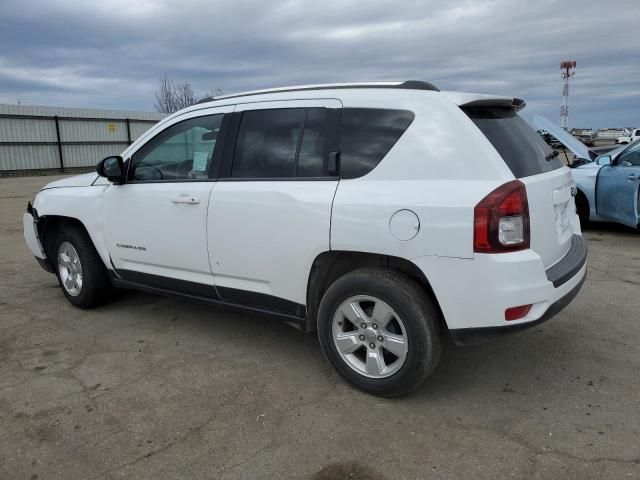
(608, 184)
(386, 216)
(633, 136)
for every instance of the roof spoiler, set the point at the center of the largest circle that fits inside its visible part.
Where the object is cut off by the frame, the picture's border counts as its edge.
(516, 103)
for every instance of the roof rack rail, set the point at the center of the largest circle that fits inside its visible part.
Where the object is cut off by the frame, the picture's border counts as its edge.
(407, 85)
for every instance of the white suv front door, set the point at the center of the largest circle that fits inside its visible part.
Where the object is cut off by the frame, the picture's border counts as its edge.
(155, 224)
(270, 217)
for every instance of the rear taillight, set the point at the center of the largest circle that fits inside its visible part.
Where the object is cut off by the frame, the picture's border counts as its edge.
(501, 220)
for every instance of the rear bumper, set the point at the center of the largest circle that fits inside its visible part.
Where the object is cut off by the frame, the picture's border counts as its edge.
(473, 294)
(571, 263)
(472, 336)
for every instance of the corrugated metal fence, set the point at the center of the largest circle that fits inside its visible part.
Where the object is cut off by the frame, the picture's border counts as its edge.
(50, 138)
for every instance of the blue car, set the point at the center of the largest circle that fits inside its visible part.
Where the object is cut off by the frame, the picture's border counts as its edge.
(608, 184)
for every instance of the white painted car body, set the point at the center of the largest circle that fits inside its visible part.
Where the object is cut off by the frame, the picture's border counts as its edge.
(634, 135)
(263, 237)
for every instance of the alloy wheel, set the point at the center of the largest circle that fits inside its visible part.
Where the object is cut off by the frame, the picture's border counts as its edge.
(370, 336)
(70, 269)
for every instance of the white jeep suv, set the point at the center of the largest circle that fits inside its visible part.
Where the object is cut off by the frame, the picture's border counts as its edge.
(385, 216)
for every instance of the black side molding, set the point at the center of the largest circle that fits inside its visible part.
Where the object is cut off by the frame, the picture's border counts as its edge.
(168, 284)
(464, 337)
(571, 264)
(227, 297)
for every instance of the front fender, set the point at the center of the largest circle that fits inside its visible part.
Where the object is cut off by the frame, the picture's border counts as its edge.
(83, 204)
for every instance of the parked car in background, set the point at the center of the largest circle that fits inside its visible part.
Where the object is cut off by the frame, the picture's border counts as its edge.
(588, 137)
(608, 184)
(352, 210)
(549, 139)
(546, 136)
(633, 136)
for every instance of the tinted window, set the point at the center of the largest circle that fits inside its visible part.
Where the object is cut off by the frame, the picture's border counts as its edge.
(367, 136)
(183, 151)
(267, 143)
(630, 156)
(312, 158)
(524, 152)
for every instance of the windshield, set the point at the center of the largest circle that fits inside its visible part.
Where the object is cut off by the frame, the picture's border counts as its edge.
(630, 148)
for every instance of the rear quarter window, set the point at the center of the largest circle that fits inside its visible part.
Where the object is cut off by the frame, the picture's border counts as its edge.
(521, 148)
(367, 136)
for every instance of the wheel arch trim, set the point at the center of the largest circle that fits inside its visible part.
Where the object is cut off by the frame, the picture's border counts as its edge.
(48, 224)
(330, 265)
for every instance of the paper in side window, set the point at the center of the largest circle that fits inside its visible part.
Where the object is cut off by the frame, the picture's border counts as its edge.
(200, 161)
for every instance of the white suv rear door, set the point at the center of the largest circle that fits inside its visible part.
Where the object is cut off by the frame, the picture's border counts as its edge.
(270, 217)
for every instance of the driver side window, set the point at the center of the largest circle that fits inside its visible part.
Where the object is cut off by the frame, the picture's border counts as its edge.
(184, 151)
(631, 157)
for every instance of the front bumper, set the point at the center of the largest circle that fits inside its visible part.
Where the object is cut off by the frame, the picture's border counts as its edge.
(32, 239)
(473, 294)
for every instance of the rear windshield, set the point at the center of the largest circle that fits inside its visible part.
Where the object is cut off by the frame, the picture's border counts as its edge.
(522, 149)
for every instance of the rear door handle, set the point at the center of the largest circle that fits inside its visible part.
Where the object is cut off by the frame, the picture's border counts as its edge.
(632, 176)
(184, 198)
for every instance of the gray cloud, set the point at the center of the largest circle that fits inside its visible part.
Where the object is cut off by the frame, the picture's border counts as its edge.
(111, 53)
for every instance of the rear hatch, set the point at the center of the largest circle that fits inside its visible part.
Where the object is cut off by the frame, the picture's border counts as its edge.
(548, 182)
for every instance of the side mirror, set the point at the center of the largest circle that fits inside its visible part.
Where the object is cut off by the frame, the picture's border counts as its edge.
(112, 168)
(603, 160)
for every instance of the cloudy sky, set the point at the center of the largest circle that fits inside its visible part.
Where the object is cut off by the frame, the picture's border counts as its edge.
(111, 53)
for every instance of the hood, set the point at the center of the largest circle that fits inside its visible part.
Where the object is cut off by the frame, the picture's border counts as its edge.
(564, 137)
(84, 180)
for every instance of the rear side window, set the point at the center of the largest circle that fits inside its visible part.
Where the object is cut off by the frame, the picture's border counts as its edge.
(522, 149)
(267, 143)
(281, 143)
(311, 158)
(367, 136)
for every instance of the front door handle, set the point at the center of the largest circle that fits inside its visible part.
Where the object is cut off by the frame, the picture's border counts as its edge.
(632, 177)
(184, 198)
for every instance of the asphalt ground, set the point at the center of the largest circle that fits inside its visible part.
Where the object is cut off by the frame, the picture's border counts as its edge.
(150, 387)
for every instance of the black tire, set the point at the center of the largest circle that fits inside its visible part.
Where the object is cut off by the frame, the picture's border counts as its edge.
(582, 209)
(420, 316)
(96, 287)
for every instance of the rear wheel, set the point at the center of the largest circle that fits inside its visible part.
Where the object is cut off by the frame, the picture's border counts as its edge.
(380, 331)
(80, 271)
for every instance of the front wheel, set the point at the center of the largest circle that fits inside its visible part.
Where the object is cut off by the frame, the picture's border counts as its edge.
(380, 331)
(582, 209)
(80, 271)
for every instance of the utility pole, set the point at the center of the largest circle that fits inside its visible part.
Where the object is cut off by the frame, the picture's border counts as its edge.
(567, 67)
